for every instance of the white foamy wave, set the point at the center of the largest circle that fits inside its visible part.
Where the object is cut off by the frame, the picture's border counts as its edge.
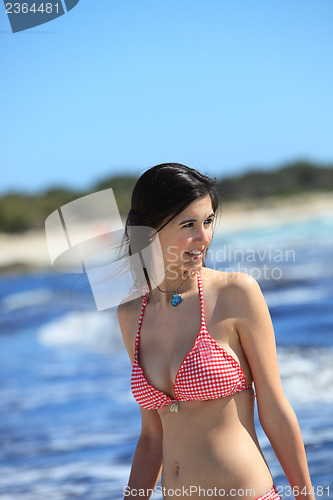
(26, 299)
(299, 232)
(97, 331)
(307, 375)
(60, 482)
(306, 271)
(296, 295)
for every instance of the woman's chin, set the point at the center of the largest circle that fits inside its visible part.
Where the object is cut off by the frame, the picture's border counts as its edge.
(193, 266)
(184, 268)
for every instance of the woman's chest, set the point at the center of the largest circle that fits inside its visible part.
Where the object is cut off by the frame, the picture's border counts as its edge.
(167, 341)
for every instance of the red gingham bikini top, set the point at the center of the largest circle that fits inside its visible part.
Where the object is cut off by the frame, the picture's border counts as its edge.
(207, 372)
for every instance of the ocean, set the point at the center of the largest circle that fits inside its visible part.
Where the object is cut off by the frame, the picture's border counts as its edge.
(68, 422)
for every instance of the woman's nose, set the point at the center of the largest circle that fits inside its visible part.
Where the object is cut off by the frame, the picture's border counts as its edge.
(203, 235)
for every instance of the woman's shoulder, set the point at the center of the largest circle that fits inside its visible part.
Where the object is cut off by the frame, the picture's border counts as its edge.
(129, 307)
(129, 312)
(235, 281)
(235, 287)
(128, 317)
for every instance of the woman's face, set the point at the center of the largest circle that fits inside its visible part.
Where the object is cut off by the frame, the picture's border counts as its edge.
(184, 239)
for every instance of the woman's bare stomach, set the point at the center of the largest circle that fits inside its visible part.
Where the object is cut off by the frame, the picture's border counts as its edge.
(210, 449)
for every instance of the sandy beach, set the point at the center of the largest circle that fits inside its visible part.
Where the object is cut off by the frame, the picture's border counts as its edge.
(29, 250)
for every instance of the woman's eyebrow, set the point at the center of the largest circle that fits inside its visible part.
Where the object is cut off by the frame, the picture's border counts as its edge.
(195, 220)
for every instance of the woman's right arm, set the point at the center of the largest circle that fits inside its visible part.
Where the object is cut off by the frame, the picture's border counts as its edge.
(147, 461)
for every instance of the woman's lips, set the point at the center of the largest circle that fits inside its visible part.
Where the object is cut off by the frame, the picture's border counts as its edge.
(194, 257)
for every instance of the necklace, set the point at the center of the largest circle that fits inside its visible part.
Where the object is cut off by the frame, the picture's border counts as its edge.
(176, 298)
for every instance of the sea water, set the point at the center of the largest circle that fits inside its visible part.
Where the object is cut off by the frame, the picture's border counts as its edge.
(68, 422)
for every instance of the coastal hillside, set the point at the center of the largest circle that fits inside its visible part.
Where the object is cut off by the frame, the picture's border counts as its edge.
(20, 212)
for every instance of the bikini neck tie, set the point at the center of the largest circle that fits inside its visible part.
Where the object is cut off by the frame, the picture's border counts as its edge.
(175, 407)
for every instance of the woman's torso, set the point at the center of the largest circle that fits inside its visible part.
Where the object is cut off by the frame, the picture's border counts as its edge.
(213, 445)
(208, 444)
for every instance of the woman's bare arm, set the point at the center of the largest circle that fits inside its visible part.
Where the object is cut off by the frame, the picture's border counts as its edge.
(276, 415)
(147, 461)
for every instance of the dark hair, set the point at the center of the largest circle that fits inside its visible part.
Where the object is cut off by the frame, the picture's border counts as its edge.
(160, 194)
(164, 191)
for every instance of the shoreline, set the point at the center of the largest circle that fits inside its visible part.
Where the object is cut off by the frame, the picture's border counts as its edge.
(27, 252)
(274, 211)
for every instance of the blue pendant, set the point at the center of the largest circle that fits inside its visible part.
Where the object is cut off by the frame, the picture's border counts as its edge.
(176, 299)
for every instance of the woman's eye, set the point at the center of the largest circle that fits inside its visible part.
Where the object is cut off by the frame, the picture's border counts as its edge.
(190, 224)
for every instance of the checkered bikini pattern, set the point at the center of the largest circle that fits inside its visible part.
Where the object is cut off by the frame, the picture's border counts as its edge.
(207, 371)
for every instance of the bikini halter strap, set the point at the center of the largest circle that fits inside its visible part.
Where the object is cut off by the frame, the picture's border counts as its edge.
(144, 303)
(203, 321)
(137, 339)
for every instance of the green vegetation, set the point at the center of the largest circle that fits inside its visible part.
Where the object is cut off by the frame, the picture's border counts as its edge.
(122, 188)
(20, 212)
(292, 179)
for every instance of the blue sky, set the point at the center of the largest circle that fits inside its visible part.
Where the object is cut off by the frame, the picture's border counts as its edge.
(118, 86)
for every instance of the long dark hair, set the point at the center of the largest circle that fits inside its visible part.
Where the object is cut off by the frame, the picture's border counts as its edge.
(160, 194)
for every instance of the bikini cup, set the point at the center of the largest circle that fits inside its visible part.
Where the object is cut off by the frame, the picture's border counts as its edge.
(208, 371)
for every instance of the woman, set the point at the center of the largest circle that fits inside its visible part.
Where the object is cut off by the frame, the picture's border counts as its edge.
(197, 342)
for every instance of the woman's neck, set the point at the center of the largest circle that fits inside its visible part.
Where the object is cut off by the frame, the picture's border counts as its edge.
(172, 283)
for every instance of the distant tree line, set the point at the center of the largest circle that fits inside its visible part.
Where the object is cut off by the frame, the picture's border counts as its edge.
(20, 212)
(296, 178)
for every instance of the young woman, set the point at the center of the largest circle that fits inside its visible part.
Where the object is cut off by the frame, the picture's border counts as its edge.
(198, 342)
